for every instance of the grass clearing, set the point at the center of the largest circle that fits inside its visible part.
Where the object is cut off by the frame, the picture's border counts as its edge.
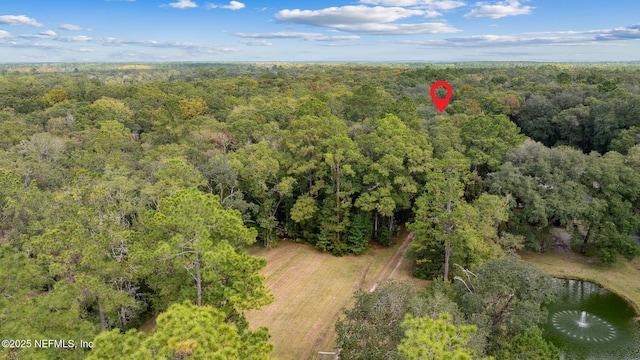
(311, 289)
(623, 277)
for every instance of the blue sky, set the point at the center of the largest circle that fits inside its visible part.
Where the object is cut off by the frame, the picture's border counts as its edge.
(358, 30)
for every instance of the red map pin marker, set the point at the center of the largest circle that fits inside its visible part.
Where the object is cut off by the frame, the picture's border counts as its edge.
(441, 103)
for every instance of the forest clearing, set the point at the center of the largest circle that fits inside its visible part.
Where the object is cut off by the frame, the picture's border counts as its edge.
(311, 288)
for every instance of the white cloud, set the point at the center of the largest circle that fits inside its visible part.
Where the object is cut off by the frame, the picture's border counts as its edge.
(49, 39)
(499, 10)
(400, 29)
(71, 27)
(36, 45)
(19, 20)
(564, 38)
(257, 43)
(52, 35)
(195, 47)
(339, 38)
(619, 33)
(48, 33)
(279, 35)
(233, 5)
(431, 4)
(343, 15)
(485, 40)
(183, 4)
(432, 14)
(78, 38)
(297, 35)
(368, 20)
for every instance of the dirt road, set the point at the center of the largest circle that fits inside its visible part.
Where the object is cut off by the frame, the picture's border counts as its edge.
(394, 263)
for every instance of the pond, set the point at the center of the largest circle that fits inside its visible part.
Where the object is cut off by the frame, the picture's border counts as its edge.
(590, 322)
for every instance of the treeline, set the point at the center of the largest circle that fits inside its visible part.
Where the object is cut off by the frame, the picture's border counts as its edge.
(102, 174)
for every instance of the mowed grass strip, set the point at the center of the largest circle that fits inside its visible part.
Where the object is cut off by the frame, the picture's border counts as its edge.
(623, 277)
(311, 289)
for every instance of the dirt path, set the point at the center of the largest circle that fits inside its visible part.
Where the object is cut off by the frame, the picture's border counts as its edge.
(395, 262)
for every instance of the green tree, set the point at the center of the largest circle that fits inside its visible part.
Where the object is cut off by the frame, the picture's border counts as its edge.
(305, 142)
(259, 169)
(304, 208)
(222, 180)
(488, 139)
(508, 297)
(445, 135)
(104, 109)
(367, 101)
(627, 139)
(564, 78)
(395, 161)
(13, 129)
(10, 188)
(84, 271)
(193, 247)
(185, 331)
(426, 338)
(535, 118)
(493, 211)
(342, 158)
(443, 219)
(633, 158)
(546, 186)
(55, 96)
(573, 127)
(530, 345)
(323, 160)
(371, 329)
(405, 109)
(112, 138)
(20, 278)
(26, 210)
(312, 107)
(192, 108)
(609, 217)
(169, 176)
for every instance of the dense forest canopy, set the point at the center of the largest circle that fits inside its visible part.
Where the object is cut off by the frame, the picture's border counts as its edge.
(132, 190)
